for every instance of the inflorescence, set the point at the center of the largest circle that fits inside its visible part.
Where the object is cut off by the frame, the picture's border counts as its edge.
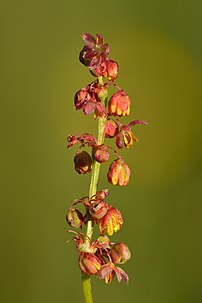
(101, 257)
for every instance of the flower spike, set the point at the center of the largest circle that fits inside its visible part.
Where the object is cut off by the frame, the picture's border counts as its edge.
(100, 256)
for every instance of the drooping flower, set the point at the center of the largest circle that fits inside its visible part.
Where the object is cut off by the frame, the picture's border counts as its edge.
(107, 272)
(82, 162)
(100, 153)
(111, 222)
(119, 104)
(120, 253)
(89, 263)
(125, 136)
(111, 71)
(81, 97)
(119, 173)
(111, 129)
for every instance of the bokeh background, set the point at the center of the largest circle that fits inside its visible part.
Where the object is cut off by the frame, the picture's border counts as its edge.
(158, 46)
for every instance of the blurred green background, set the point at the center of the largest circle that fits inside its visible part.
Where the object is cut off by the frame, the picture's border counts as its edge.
(158, 47)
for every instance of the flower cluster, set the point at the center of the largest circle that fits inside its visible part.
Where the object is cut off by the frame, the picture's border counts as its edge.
(95, 55)
(100, 257)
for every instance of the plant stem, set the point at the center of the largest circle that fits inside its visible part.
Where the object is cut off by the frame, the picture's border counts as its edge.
(95, 172)
(87, 288)
(86, 280)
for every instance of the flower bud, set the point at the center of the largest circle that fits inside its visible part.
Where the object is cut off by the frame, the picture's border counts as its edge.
(82, 162)
(119, 173)
(102, 194)
(120, 253)
(111, 222)
(111, 129)
(89, 263)
(111, 71)
(74, 217)
(98, 209)
(100, 153)
(119, 104)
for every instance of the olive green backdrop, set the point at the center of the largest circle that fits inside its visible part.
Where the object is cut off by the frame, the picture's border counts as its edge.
(158, 46)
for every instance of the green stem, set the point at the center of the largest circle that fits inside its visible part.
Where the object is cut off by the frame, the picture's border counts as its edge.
(86, 280)
(87, 288)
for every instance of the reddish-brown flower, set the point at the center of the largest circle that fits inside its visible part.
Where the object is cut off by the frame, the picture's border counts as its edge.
(125, 136)
(120, 253)
(111, 222)
(89, 263)
(82, 162)
(81, 97)
(101, 153)
(119, 173)
(84, 138)
(94, 54)
(111, 129)
(89, 99)
(111, 71)
(119, 104)
(108, 271)
(98, 209)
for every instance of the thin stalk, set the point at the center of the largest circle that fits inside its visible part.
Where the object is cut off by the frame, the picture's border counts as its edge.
(87, 288)
(86, 280)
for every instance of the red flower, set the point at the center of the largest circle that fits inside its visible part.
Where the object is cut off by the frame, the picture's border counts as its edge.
(111, 129)
(101, 153)
(89, 263)
(94, 53)
(120, 253)
(81, 97)
(111, 72)
(89, 99)
(108, 271)
(119, 173)
(119, 104)
(111, 222)
(125, 136)
(84, 138)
